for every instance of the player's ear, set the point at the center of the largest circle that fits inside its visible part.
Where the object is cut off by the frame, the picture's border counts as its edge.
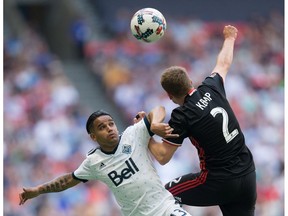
(93, 136)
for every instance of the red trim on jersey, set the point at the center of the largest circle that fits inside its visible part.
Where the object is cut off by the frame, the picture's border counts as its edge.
(180, 188)
(171, 143)
(191, 91)
(201, 153)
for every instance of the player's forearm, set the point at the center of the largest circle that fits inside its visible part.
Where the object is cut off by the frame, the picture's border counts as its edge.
(157, 115)
(225, 56)
(59, 184)
(161, 151)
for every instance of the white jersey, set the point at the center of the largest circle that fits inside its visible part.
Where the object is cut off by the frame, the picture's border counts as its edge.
(131, 175)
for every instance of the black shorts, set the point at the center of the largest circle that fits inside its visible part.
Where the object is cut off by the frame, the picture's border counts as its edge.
(235, 197)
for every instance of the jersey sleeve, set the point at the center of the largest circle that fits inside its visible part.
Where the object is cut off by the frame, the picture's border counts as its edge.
(215, 81)
(83, 172)
(141, 132)
(177, 122)
(144, 126)
(147, 124)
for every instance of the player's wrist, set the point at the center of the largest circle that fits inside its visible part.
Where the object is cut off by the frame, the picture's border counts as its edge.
(154, 126)
(230, 38)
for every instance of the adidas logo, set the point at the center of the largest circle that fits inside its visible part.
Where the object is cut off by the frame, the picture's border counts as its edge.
(102, 165)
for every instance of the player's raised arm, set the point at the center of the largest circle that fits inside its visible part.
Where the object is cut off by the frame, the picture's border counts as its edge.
(59, 184)
(225, 56)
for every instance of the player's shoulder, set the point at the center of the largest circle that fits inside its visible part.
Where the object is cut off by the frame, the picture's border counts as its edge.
(92, 151)
(139, 131)
(213, 78)
(213, 82)
(178, 113)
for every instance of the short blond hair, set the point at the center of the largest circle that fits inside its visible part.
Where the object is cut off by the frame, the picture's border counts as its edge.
(175, 81)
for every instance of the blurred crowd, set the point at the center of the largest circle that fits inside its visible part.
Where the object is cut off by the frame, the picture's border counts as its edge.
(44, 132)
(44, 122)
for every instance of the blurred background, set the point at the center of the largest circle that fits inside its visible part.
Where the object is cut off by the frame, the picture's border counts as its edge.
(64, 59)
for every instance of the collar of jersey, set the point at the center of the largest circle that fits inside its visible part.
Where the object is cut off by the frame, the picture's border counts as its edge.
(191, 91)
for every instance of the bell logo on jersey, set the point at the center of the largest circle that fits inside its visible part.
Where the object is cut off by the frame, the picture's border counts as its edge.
(126, 173)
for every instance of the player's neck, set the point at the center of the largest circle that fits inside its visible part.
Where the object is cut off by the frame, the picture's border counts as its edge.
(113, 150)
(110, 152)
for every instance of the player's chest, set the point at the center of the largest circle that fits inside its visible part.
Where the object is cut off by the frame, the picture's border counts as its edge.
(123, 165)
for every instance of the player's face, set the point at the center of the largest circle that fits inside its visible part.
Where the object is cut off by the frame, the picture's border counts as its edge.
(105, 133)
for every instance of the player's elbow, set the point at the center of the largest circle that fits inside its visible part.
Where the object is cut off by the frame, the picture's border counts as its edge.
(163, 159)
(162, 152)
(167, 153)
(160, 160)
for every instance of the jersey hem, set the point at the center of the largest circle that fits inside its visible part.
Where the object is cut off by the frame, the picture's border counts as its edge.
(171, 143)
(75, 177)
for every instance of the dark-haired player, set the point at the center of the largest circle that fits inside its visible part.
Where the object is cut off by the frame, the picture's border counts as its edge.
(124, 164)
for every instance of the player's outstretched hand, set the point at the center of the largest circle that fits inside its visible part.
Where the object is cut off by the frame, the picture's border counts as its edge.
(230, 32)
(163, 130)
(28, 193)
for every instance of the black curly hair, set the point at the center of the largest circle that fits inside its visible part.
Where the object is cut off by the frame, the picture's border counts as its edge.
(92, 117)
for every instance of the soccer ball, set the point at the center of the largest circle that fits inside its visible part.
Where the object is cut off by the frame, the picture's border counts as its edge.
(148, 25)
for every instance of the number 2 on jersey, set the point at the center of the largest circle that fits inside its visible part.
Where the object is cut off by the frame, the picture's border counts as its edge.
(228, 136)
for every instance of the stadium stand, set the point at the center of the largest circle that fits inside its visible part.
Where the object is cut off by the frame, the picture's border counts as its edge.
(44, 120)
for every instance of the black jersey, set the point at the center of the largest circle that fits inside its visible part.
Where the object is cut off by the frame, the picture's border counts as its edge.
(207, 119)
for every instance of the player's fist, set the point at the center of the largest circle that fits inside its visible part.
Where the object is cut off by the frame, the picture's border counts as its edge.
(230, 32)
(140, 115)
